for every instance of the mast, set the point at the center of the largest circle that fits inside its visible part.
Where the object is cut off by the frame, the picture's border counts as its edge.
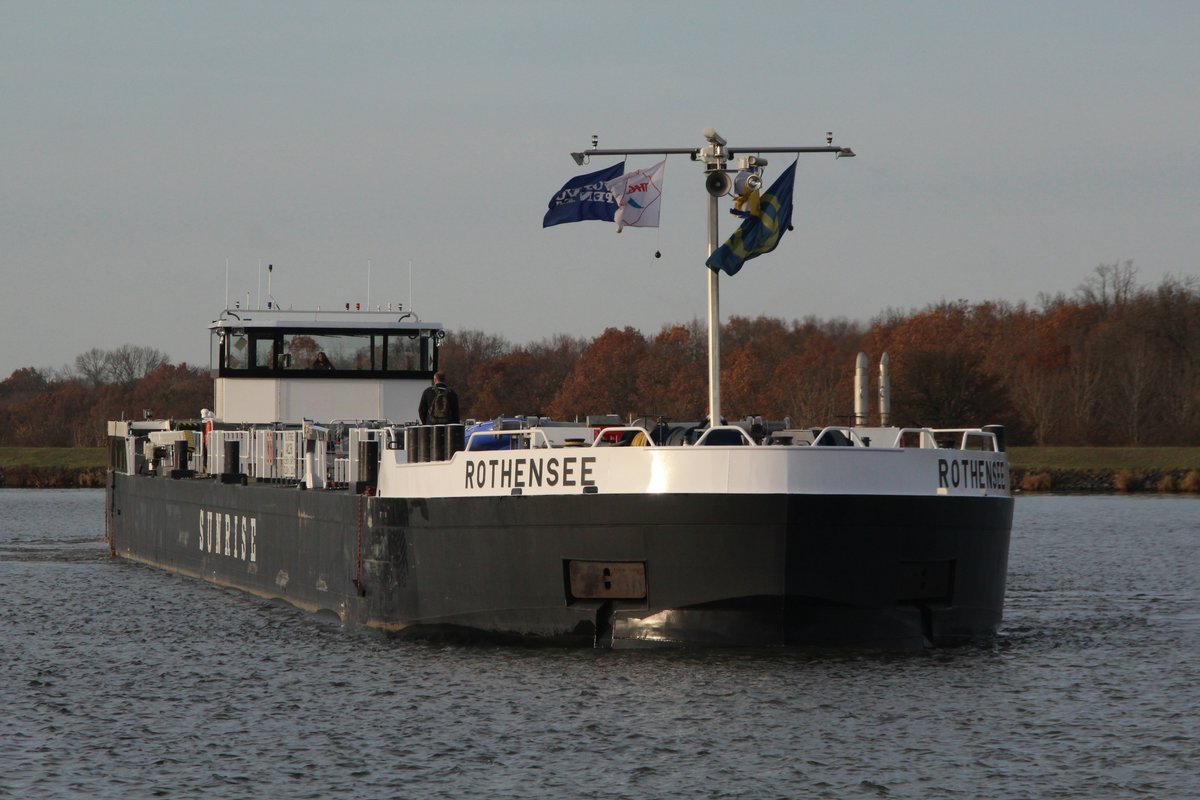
(714, 313)
(715, 156)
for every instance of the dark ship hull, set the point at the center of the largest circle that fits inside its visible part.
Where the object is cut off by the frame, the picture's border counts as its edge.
(620, 570)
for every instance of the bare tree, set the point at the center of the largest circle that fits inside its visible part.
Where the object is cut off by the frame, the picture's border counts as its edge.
(1112, 285)
(93, 366)
(1136, 384)
(130, 363)
(1176, 328)
(1036, 393)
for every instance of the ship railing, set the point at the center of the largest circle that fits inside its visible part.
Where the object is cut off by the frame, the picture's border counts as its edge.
(838, 436)
(725, 435)
(278, 455)
(264, 454)
(638, 436)
(916, 438)
(341, 470)
(949, 439)
(523, 439)
(969, 439)
(216, 452)
(623, 436)
(361, 449)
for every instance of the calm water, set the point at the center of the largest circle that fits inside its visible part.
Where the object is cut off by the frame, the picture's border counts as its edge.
(121, 681)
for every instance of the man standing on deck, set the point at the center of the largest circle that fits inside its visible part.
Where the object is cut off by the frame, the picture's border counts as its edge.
(439, 403)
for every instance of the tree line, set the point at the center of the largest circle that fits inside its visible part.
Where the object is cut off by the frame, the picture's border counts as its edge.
(1115, 363)
(71, 406)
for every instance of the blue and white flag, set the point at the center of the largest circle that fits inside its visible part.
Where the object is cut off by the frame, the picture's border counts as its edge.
(585, 197)
(638, 195)
(768, 219)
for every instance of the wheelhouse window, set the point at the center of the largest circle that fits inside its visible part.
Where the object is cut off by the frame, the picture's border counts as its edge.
(307, 353)
(329, 352)
(264, 353)
(410, 353)
(237, 353)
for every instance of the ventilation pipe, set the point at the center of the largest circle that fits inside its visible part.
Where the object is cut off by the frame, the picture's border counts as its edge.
(885, 393)
(861, 402)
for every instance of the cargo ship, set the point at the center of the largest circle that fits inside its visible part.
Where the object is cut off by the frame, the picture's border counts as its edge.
(300, 486)
(305, 483)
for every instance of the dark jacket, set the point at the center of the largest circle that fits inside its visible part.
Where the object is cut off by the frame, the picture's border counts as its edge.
(427, 403)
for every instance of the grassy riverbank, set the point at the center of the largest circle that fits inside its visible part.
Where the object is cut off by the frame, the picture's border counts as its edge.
(60, 457)
(1106, 469)
(1111, 458)
(51, 467)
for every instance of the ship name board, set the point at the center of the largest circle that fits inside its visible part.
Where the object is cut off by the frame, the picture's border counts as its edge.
(972, 473)
(529, 472)
(230, 535)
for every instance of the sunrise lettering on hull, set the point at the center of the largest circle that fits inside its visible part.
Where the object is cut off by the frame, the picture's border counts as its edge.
(528, 472)
(972, 473)
(232, 535)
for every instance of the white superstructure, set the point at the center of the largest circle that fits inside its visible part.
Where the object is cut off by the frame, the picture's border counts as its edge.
(282, 366)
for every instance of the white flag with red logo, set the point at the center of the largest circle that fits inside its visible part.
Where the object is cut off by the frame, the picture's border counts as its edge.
(639, 196)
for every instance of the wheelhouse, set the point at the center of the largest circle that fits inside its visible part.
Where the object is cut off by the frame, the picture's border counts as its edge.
(285, 366)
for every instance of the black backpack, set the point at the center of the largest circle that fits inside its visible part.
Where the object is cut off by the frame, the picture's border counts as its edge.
(439, 407)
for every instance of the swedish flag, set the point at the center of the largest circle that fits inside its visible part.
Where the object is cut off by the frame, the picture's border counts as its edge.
(763, 228)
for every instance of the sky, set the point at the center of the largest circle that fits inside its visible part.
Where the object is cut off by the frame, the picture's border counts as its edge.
(156, 156)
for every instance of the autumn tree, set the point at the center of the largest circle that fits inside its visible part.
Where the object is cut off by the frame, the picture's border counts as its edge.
(605, 381)
(750, 352)
(173, 391)
(22, 383)
(939, 373)
(672, 378)
(552, 362)
(1032, 368)
(1116, 363)
(817, 376)
(500, 387)
(460, 355)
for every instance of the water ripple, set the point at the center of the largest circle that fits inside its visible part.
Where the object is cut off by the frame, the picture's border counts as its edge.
(120, 681)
